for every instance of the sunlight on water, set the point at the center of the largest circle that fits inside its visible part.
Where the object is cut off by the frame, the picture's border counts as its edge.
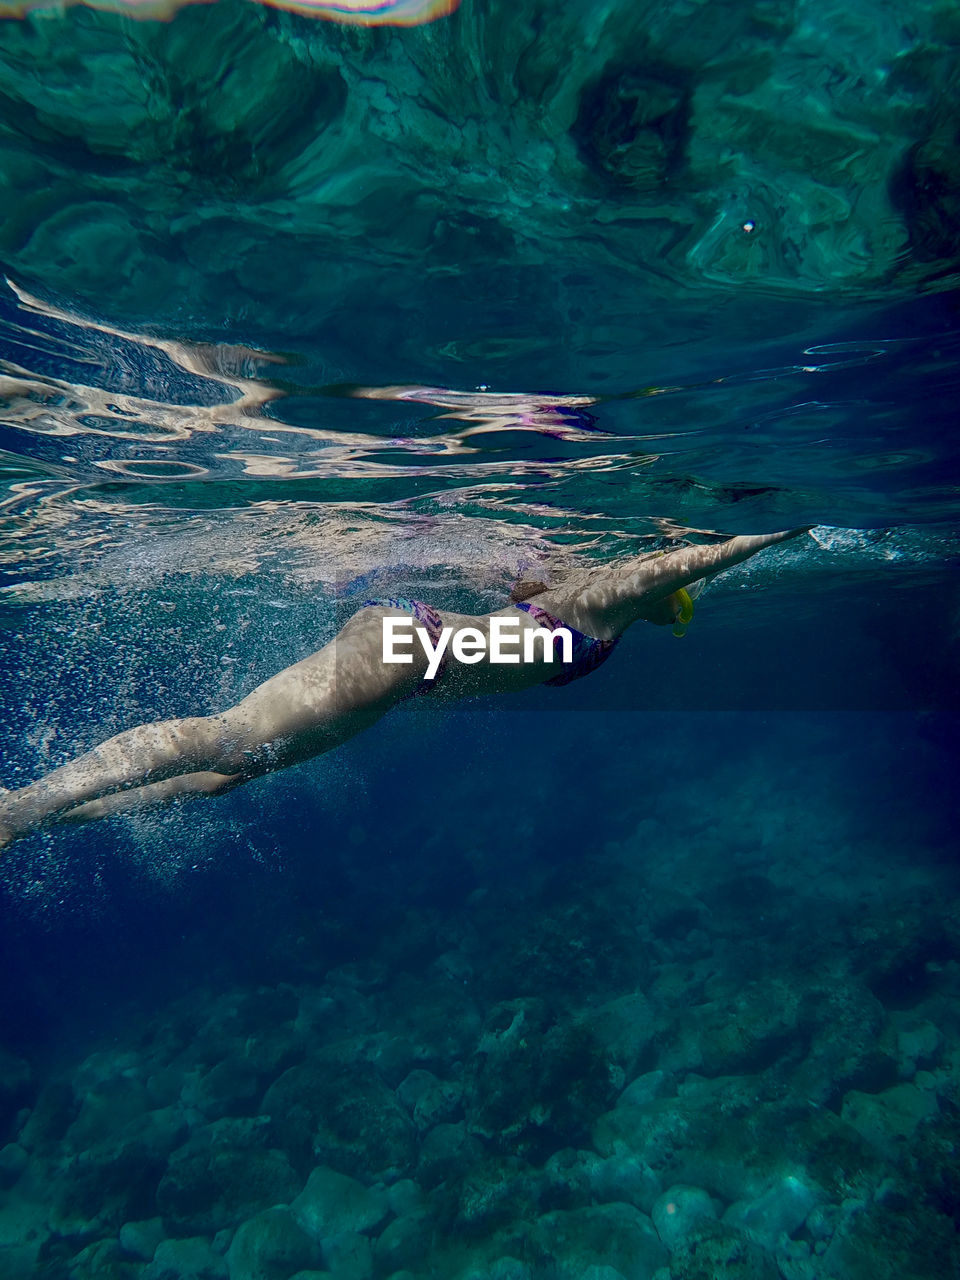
(126, 448)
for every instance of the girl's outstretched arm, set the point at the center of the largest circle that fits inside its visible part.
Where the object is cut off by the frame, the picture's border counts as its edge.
(615, 600)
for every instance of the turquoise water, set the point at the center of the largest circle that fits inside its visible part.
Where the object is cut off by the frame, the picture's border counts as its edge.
(652, 977)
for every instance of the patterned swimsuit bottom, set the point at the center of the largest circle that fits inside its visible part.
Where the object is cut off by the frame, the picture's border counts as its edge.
(588, 652)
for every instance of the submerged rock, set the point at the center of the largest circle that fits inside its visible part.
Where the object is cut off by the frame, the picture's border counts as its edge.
(446, 1150)
(762, 1024)
(271, 1246)
(624, 1028)
(886, 1242)
(716, 1249)
(849, 1046)
(24, 1235)
(576, 1178)
(206, 1187)
(106, 1109)
(348, 1119)
(190, 1259)
(919, 1044)
(717, 1135)
(778, 1212)
(102, 1260)
(405, 1196)
(54, 1111)
(678, 1211)
(644, 1089)
(405, 1242)
(140, 1239)
(233, 1087)
(534, 1084)
(429, 1100)
(486, 1194)
(886, 1119)
(332, 1203)
(626, 1178)
(349, 1256)
(615, 1235)
(115, 1181)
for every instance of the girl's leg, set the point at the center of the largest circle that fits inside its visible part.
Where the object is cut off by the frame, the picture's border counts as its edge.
(301, 712)
(153, 795)
(133, 759)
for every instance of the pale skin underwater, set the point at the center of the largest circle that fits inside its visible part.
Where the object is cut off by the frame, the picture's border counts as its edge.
(317, 704)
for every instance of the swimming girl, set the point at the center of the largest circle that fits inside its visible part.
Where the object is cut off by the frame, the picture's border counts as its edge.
(350, 683)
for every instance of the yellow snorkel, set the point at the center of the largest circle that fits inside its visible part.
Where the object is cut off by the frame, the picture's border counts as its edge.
(684, 614)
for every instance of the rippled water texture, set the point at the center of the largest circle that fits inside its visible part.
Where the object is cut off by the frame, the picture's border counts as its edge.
(522, 282)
